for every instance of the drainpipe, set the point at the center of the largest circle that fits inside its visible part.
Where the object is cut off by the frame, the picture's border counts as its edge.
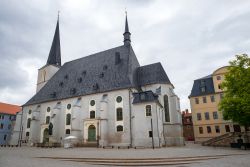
(130, 119)
(157, 125)
(163, 114)
(20, 130)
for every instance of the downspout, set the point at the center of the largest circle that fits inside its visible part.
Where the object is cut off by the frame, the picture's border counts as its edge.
(157, 125)
(20, 130)
(163, 127)
(130, 119)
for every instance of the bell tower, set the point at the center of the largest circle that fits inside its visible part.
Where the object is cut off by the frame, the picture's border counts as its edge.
(53, 63)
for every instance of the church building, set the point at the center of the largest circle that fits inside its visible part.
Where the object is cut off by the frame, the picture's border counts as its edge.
(106, 98)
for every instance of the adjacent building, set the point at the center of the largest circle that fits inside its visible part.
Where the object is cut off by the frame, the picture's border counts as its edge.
(205, 96)
(106, 98)
(187, 122)
(7, 121)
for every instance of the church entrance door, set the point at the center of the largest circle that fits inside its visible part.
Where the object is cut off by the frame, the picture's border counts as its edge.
(92, 133)
(46, 135)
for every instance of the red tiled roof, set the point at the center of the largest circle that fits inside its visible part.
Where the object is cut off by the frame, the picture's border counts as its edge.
(9, 108)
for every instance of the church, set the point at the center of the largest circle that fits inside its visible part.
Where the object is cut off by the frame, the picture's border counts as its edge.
(106, 99)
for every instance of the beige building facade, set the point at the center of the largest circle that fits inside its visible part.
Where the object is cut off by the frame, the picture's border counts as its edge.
(205, 96)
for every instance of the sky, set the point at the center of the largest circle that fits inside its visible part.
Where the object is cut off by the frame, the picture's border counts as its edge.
(190, 38)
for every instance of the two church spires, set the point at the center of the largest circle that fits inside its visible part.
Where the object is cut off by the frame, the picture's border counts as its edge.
(55, 50)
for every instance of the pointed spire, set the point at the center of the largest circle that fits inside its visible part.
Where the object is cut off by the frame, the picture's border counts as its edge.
(55, 50)
(126, 34)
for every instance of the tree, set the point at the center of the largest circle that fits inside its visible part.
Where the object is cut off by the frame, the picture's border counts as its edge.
(235, 105)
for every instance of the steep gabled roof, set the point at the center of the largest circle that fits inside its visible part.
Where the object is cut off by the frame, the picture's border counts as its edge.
(96, 73)
(152, 74)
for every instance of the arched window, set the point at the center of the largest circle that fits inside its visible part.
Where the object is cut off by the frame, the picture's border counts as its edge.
(68, 119)
(27, 134)
(67, 131)
(92, 115)
(69, 106)
(148, 110)
(119, 114)
(28, 123)
(166, 108)
(47, 119)
(119, 128)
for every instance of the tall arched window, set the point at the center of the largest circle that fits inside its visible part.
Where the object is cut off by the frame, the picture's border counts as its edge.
(148, 110)
(28, 123)
(166, 108)
(92, 115)
(119, 114)
(47, 119)
(68, 119)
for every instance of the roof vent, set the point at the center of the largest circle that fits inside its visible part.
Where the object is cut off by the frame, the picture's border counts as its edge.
(95, 86)
(142, 96)
(101, 75)
(79, 80)
(53, 95)
(84, 72)
(73, 91)
(66, 77)
(105, 67)
(117, 57)
(61, 84)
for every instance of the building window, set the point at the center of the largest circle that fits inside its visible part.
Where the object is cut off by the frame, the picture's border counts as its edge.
(28, 123)
(119, 99)
(92, 115)
(218, 77)
(196, 100)
(27, 134)
(227, 128)
(148, 110)
(48, 109)
(150, 134)
(47, 119)
(221, 95)
(142, 96)
(201, 130)
(207, 116)
(9, 126)
(119, 128)
(219, 86)
(204, 99)
(68, 119)
(166, 108)
(10, 118)
(67, 131)
(203, 89)
(215, 115)
(30, 111)
(198, 116)
(212, 98)
(119, 114)
(217, 129)
(92, 102)
(5, 137)
(69, 106)
(1, 126)
(209, 129)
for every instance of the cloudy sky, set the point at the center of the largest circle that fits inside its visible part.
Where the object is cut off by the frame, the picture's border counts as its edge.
(190, 38)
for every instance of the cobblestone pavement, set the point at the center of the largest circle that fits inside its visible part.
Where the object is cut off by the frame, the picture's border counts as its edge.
(190, 155)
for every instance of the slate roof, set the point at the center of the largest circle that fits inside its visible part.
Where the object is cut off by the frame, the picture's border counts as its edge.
(152, 74)
(147, 96)
(206, 82)
(98, 73)
(55, 50)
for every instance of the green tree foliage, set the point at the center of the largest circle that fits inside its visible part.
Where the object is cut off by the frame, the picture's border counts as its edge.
(235, 105)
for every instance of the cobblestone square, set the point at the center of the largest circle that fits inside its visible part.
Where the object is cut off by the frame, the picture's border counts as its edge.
(191, 155)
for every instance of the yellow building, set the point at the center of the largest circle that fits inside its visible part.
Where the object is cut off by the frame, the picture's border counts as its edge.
(204, 99)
